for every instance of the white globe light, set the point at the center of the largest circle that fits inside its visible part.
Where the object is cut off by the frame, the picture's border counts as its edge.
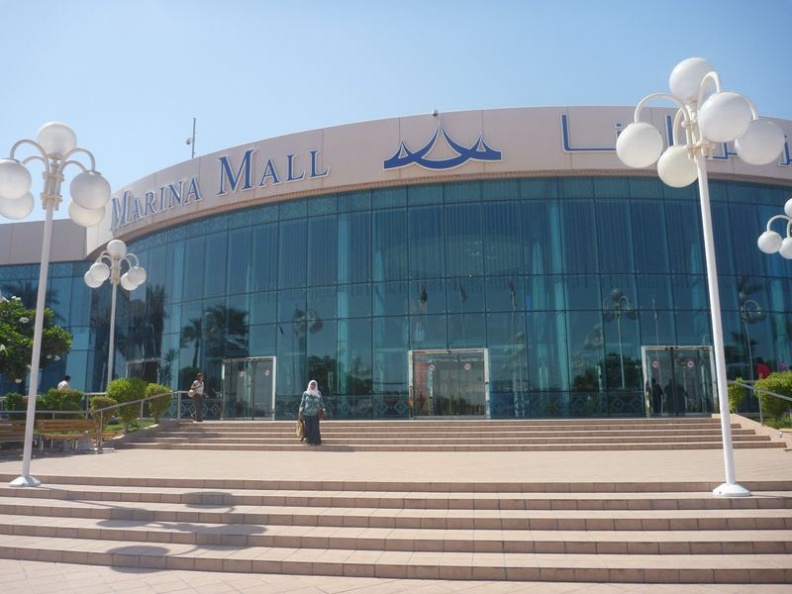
(769, 242)
(90, 190)
(14, 179)
(725, 116)
(761, 143)
(91, 281)
(676, 168)
(788, 208)
(85, 217)
(686, 77)
(56, 138)
(137, 274)
(786, 248)
(639, 145)
(99, 271)
(116, 248)
(127, 283)
(18, 208)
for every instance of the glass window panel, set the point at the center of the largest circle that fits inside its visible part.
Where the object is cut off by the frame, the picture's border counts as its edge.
(264, 258)
(322, 352)
(292, 306)
(542, 188)
(389, 198)
(355, 367)
(611, 187)
(547, 350)
(469, 191)
(579, 237)
(583, 292)
(429, 296)
(644, 187)
(690, 292)
(465, 294)
(544, 293)
(424, 195)
(429, 332)
(322, 251)
(293, 254)
(657, 327)
(649, 242)
(263, 307)
(293, 209)
(575, 187)
(354, 201)
(542, 229)
(503, 246)
(693, 327)
(390, 244)
(426, 233)
(194, 267)
(263, 339)
(505, 293)
(686, 252)
(354, 301)
(239, 261)
(322, 303)
(586, 351)
(354, 248)
(500, 189)
(391, 342)
(464, 253)
(323, 205)
(466, 330)
(391, 298)
(736, 242)
(615, 235)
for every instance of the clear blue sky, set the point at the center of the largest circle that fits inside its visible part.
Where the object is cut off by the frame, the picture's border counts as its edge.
(130, 75)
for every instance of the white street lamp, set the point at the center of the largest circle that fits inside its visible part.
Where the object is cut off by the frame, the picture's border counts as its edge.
(771, 242)
(706, 116)
(616, 305)
(108, 266)
(56, 147)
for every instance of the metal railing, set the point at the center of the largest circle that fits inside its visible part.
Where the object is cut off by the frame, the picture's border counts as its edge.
(757, 392)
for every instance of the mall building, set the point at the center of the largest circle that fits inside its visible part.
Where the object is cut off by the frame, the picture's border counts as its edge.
(498, 263)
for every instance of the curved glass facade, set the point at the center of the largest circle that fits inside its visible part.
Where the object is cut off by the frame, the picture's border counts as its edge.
(544, 289)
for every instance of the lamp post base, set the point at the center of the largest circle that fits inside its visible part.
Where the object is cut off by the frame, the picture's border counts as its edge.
(25, 481)
(731, 490)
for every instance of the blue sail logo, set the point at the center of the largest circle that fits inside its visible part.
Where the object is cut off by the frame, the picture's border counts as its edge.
(479, 151)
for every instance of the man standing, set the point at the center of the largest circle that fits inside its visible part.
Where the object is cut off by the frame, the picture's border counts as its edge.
(64, 383)
(197, 393)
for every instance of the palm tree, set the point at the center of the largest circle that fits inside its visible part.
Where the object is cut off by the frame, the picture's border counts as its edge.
(193, 332)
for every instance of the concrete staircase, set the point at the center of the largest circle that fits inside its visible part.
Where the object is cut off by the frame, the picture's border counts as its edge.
(571, 532)
(454, 435)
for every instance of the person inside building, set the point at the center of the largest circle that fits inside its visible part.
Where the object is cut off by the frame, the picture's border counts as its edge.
(64, 383)
(762, 369)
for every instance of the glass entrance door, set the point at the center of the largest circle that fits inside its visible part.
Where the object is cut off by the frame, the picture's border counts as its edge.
(450, 382)
(679, 380)
(249, 388)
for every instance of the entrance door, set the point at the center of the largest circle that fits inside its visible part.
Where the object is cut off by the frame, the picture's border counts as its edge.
(679, 379)
(450, 382)
(249, 388)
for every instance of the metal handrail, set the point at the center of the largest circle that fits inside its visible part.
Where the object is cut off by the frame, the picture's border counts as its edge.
(756, 393)
(102, 411)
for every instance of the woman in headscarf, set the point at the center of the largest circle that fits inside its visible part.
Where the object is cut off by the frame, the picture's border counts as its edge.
(312, 408)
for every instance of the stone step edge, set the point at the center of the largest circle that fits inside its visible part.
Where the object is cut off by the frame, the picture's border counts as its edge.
(417, 519)
(407, 500)
(725, 542)
(752, 569)
(565, 487)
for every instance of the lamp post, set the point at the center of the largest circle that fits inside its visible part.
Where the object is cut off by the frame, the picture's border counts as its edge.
(750, 313)
(706, 117)
(616, 305)
(56, 148)
(108, 266)
(771, 242)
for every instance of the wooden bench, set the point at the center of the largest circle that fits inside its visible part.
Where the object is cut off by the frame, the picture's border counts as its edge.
(12, 431)
(69, 431)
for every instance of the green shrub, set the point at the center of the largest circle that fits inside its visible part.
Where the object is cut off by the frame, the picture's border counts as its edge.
(56, 399)
(98, 402)
(15, 401)
(736, 396)
(158, 406)
(127, 389)
(778, 383)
